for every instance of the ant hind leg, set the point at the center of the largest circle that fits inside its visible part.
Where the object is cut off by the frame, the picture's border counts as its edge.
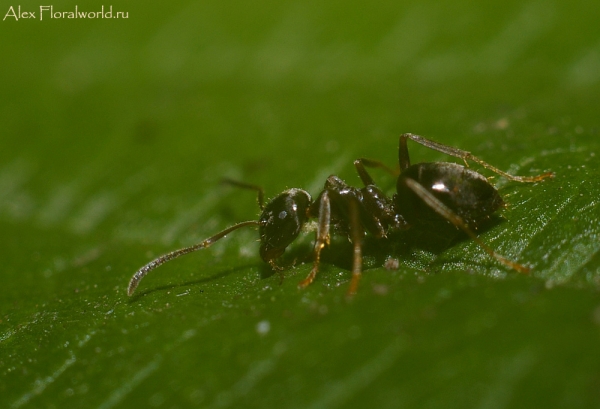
(461, 154)
(441, 209)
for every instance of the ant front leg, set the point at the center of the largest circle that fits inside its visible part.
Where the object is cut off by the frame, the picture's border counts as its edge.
(356, 234)
(461, 154)
(440, 208)
(322, 239)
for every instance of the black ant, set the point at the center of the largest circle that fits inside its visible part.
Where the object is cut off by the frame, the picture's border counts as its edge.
(458, 194)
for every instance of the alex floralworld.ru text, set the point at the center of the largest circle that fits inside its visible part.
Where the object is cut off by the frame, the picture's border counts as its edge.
(17, 13)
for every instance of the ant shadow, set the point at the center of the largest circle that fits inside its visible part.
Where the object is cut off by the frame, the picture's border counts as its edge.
(434, 237)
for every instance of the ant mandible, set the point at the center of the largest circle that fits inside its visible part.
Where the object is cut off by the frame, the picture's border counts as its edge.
(458, 194)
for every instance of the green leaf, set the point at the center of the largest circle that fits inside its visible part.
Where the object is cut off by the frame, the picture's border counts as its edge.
(116, 133)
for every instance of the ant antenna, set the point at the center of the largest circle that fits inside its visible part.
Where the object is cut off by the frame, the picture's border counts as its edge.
(260, 192)
(141, 273)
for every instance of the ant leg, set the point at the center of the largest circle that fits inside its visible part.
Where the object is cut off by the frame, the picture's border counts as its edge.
(441, 209)
(322, 237)
(141, 273)
(260, 192)
(403, 157)
(277, 269)
(361, 163)
(356, 232)
(464, 155)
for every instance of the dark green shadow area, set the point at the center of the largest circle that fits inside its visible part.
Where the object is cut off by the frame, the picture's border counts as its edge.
(115, 134)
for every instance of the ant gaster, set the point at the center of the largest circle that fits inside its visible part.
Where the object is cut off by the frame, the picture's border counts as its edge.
(454, 192)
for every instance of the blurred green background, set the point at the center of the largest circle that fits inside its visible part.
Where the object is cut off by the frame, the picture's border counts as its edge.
(115, 134)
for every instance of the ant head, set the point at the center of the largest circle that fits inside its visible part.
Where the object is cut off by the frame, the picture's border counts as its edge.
(280, 222)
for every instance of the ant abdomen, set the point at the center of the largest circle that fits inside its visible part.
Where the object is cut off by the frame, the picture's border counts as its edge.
(465, 192)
